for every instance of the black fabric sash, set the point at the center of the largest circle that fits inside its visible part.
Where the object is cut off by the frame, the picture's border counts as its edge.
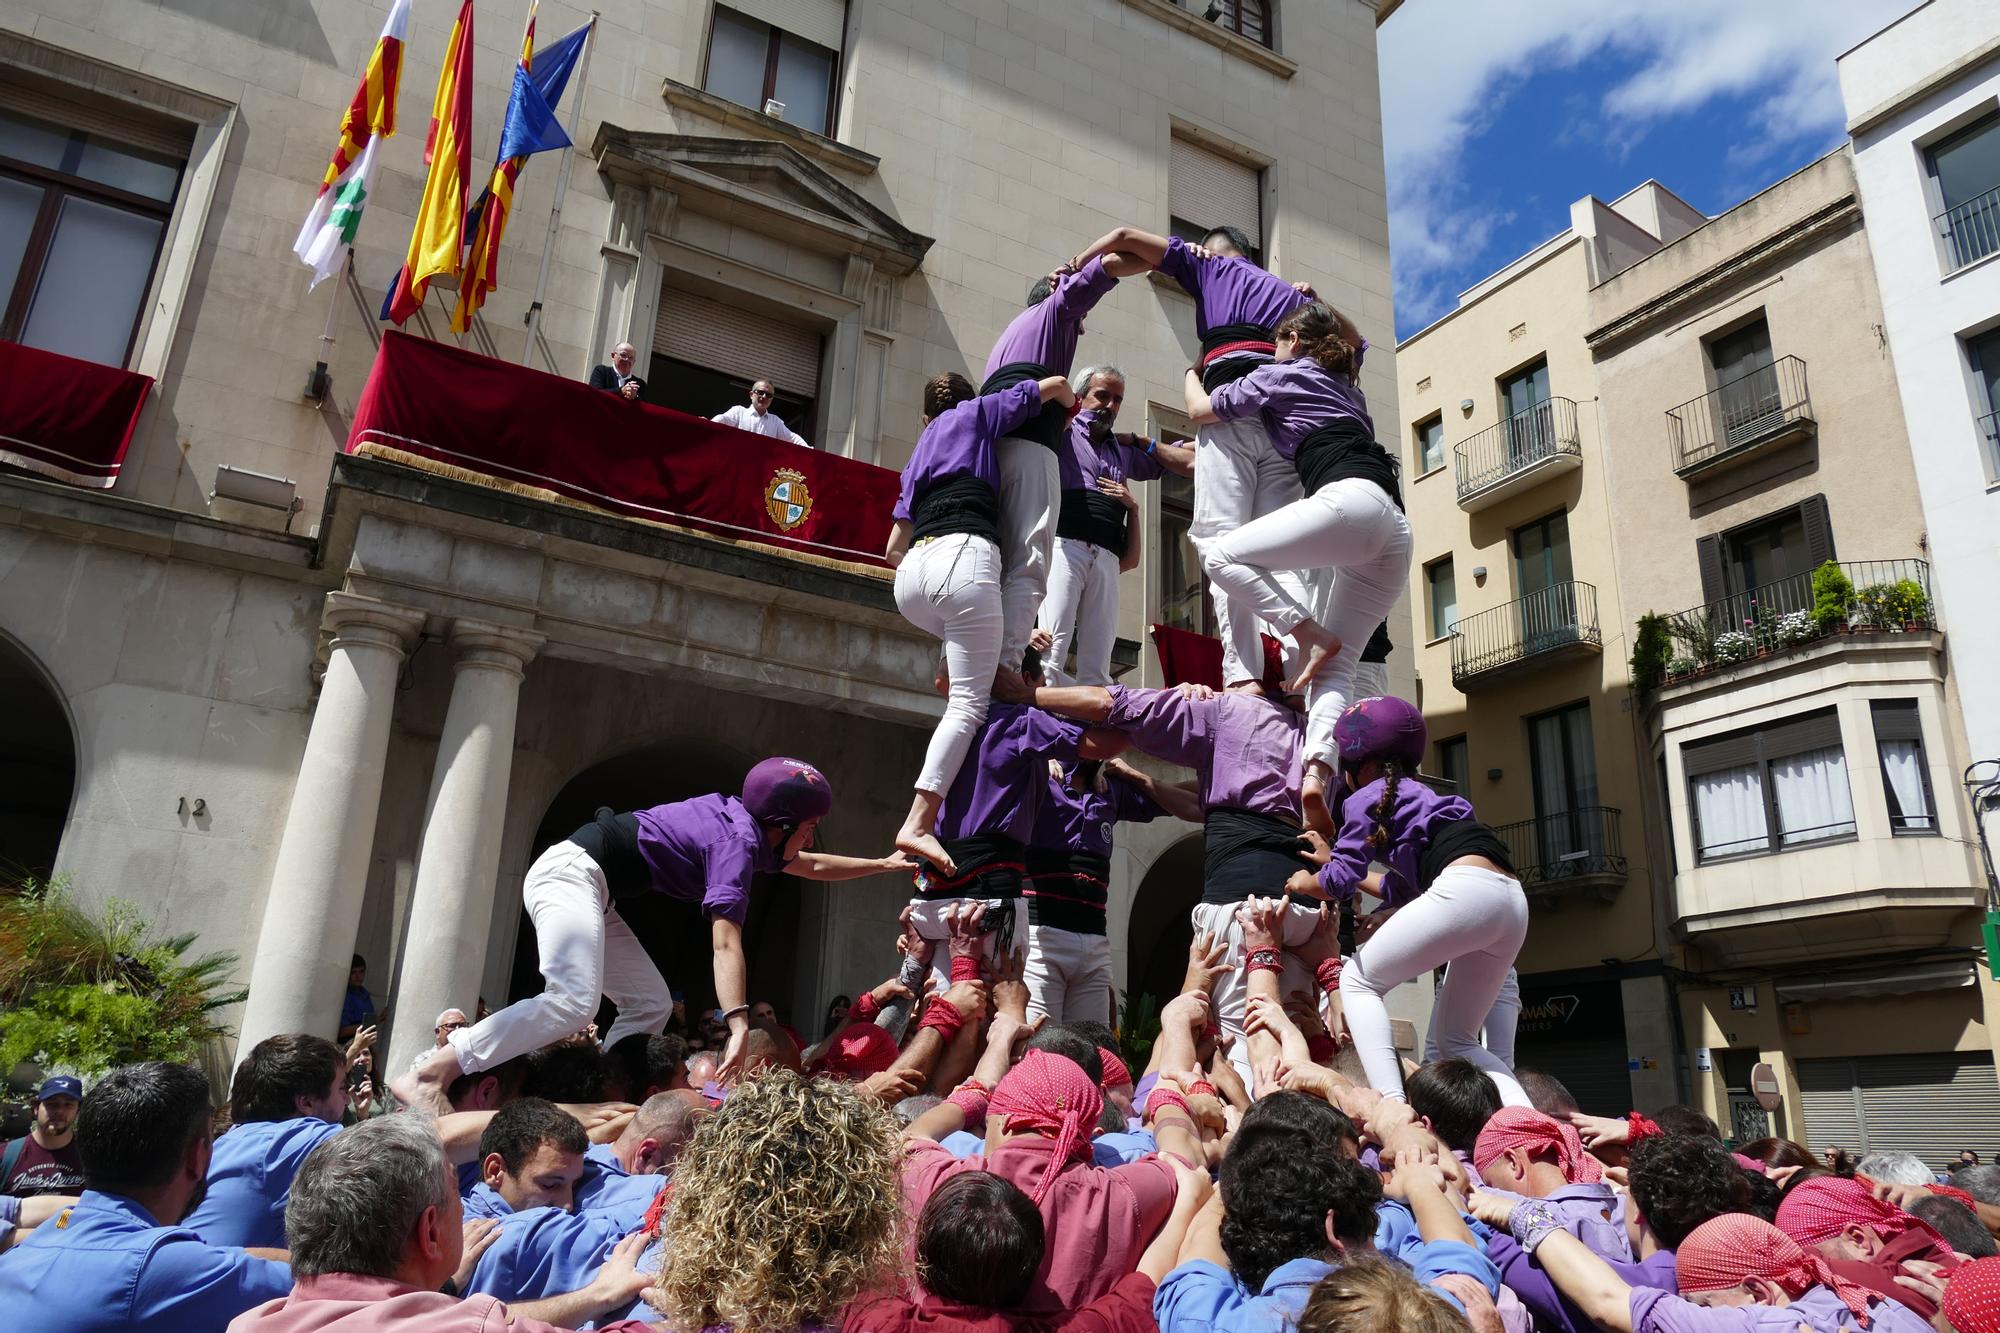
(1049, 427)
(1066, 889)
(612, 840)
(1342, 449)
(1461, 837)
(1379, 647)
(1248, 853)
(989, 866)
(1234, 367)
(959, 504)
(1094, 517)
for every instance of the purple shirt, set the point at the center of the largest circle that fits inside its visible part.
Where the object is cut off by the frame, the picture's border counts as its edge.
(1818, 1309)
(959, 441)
(1084, 460)
(1295, 398)
(705, 851)
(1247, 751)
(1000, 787)
(1418, 813)
(1229, 290)
(1046, 332)
(1554, 1312)
(1082, 821)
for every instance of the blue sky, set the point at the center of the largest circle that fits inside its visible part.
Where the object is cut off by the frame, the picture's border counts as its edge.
(1498, 114)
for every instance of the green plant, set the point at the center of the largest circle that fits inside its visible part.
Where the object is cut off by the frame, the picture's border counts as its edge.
(1892, 605)
(1833, 598)
(1694, 631)
(1682, 666)
(1652, 643)
(1139, 1030)
(85, 991)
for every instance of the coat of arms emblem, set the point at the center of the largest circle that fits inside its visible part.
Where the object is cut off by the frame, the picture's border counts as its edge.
(787, 499)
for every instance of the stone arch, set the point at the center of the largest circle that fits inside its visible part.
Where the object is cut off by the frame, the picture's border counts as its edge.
(1158, 927)
(38, 765)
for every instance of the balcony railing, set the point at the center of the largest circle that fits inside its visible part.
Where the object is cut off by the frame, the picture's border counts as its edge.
(1971, 231)
(1545, 431)
(1578, 848)
(1562, 616)
(1750, 410)
(1868, 595)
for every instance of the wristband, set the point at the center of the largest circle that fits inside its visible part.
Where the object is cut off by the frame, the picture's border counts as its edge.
(1163, 1097)
(1152, 446)
(944, 1016)
(1533, 1222)
(1264, 960)
(1642, 1128)
(1201, 1087)
(865, 1008)
(1328, 973)
(971, 1098)
(728, 1014)
(964, 967)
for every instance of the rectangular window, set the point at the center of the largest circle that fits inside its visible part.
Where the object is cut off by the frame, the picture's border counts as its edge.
(1430, 444)
(707, 353)
(1245, 18)
(780, 57)
(1563, 761)
(1770, 788)
(1455, 764)
(1747, 401)
(1207, 189)
(1906, 781)
(1965, 181)
(1764, 568)
(1183, 591)
(1531, 427)
(1443, 586)
(1983, 354)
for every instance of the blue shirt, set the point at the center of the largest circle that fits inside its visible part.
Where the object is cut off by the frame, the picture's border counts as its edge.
(357, 1008)
(546, 1252)
(607, 1186)
(1200, 1296)
(250, 1179)
(1105, 1149)
(108, 1266)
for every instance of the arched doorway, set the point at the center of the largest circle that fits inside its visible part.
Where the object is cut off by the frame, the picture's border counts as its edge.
(37, 767)
(1158, 931)
(675, 934)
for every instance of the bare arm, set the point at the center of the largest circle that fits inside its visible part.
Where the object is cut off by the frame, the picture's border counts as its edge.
(829, 868)
(1577, 1272)
(732, 987)
(899, 542)
(1085, 703)
(1180, 800)
(1135, 526)
(1204, 1236)
(1143, 246)
(41, 1207)
(1191, 1193)
(1175, 457)
(1199, 409)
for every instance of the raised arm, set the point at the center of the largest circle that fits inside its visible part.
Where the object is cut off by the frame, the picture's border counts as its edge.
(828, 868)
(1144, 246)
(1178, 799)
(1580, 1274)
(1085, 703)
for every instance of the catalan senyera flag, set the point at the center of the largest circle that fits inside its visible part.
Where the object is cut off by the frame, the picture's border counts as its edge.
(328, 233)
(436, 243)
(531, 127)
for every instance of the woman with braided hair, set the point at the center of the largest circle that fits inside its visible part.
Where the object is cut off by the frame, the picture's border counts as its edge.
(1450, 893)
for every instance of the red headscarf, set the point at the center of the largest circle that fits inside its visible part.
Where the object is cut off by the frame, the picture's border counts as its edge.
(1816, 1210)
(1520, 1127)
(1049, 1094)
(860, 1050)
(1972, 1297)
(1117, 1074)
(1724, 1251)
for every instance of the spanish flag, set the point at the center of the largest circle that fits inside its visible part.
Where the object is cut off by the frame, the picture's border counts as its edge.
(330, 225)
(531, 127)
(436, 242)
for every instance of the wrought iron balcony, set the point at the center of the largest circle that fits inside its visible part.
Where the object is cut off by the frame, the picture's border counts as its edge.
(1577, 850)
(1525, 450)
(1559, 620)
(1971, 231)
(1767, 407)
(1868, 595)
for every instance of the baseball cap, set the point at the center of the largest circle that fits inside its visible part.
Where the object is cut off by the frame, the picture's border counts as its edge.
(62, 1085)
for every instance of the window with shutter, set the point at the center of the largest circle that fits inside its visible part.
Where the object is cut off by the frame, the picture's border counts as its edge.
(1708, 555)
(1819, 530)
(1207, 189)
(1769, 788)
(708, 352)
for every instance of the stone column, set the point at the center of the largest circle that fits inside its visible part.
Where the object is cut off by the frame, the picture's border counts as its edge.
(451, 905)
(312, 908)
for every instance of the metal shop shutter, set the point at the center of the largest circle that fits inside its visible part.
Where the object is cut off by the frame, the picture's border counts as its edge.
(1210, 190)
(1930, 1105)
(1592, 1068)
(736, 341)
(819, 21)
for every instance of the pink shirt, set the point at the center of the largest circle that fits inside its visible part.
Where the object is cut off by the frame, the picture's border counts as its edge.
(1097, 1220)
(351, 1303)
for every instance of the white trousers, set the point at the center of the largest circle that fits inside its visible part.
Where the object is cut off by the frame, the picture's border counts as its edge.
(1238, 476)
(1471, 918)
(1030, 488)
(927, 916)
(1355, 545)
(1068, 976)
(585, 951)
(1232, 994)
(1370, 679)
(1082, 607)
(1503, 1023)
(950, 586)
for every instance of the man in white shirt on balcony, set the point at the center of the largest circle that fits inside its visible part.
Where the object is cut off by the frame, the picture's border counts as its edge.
(759, 417)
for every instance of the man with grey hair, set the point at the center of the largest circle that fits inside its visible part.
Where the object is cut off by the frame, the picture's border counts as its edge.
(618, 377)
(757, 417)
(1098, 533)
(1896, 1168)
(378, 1243)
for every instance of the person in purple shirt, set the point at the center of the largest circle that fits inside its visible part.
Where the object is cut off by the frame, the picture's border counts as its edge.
(1098, 533)
(1450, 896)
(1348, 534)
(1240, 477)
(946, 547)
(1069, 876)
(702, 852)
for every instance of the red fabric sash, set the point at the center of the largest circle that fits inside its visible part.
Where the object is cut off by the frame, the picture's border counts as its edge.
(65, 418)
(1230, 349)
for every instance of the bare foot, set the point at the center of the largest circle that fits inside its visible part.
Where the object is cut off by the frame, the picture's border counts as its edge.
(1319, 647)
(1312, 795)
(926, 847)
(423, 1088)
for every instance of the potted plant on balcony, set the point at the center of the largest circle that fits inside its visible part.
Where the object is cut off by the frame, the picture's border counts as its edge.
(1876, 606)
(1651, 644)
(1679, 668)
(1735, 646)
(1833, 599)
(1695, 632)
(1912, 603)
(1795, 627)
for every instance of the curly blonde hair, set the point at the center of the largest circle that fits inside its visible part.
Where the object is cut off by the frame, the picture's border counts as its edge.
(1371, 1296)
(787, 1204)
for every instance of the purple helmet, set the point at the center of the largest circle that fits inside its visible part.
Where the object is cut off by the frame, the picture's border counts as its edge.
(786, 791)
(1384, 727)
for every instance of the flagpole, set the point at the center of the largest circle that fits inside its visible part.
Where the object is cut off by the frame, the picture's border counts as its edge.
(321, 380)
(534, 320)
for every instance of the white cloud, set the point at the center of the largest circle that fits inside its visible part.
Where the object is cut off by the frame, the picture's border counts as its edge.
(1448, 67)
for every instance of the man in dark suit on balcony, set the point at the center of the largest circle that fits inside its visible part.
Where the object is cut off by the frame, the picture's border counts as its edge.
(618, 377)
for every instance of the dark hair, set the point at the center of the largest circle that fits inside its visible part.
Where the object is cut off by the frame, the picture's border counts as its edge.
(1775, 1152)
(1324, 335)
(136, 1123)
(979, 1241)
(1237, 237)
(1679, 1181)
(1062, 1039)
(1457, 1097)
(1760, 1195)
(1039, 291)
(359, 961)
(944, 392)
(1277, 1188)
(1031, 661)
(1100, 1034)
(508, 1076)
(520, 1127)
(1111, 1120)
(1547, 1092)
(1957, 1224)
(277, 1072)
(647, 1060)
(1318, 1120)
(565, 1074)
(1683, 1119)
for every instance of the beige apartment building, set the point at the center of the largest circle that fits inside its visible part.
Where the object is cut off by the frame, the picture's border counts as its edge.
(1758, 853)
(345, 720)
